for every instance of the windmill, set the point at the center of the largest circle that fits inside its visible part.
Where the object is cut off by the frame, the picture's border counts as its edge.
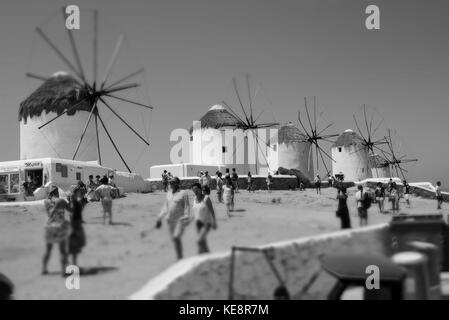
(367, 130)
(248, 121)
(97, 92)
(315, 136)
(395, 158)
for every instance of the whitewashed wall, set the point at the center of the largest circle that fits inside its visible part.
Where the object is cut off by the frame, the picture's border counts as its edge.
(207, 276)
(354, 165)
(59, 138)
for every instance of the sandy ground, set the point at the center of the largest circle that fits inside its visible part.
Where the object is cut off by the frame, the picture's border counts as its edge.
(118, 260)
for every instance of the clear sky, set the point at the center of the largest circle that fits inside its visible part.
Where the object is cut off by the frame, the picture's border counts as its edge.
(191, 49)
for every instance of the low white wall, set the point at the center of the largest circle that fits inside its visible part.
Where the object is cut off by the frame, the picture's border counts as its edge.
(207, 276)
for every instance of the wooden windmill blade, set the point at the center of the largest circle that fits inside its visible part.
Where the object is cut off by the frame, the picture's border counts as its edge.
(94, 97)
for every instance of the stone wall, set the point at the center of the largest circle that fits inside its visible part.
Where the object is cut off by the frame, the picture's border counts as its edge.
(207, 276)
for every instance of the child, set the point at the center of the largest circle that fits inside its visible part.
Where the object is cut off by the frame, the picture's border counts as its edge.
(269, 182)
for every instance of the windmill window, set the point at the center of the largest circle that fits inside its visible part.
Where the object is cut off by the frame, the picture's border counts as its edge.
(64, 172)
(275, 147)
(339, 149)
(78, 176)
(191, 138)
(224, 149)
(363, 170)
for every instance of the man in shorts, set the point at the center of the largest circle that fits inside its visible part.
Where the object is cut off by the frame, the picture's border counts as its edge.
(176, 210)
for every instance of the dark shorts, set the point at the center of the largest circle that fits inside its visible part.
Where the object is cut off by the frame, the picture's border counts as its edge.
(363, 213)
(200, 225)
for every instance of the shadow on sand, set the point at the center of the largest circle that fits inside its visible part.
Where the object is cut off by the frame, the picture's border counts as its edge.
(91, 271)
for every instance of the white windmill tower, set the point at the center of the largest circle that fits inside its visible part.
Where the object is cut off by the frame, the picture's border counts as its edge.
(351, 157)
(63, 113)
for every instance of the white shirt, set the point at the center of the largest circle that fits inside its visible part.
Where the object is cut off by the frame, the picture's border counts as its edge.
(175, 206)
(359, 198)
(201, 211)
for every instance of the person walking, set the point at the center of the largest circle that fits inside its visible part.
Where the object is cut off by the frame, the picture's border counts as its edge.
(204, 215)
(342, 209)
(165, 180)
(269, 181)
(380, 196)
(318, 184)
(105, 193)
(394, 198)
(176, 211)
(406, 188)
(77, 238)
(57, 231)
(220, 183)
(205, 181)
(439, 195)
(250, 182)
(235, 180)
(362, 205)
(228, 196)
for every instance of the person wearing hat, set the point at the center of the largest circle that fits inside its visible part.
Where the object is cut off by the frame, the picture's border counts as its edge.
(176, 211)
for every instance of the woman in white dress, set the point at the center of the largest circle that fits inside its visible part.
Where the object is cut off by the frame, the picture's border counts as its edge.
(104, 193)
(228, 196)
(204, 216)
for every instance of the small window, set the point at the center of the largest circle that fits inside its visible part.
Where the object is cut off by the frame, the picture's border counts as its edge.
(64, 172)
(224, 149)
(78, 176)
(339, 149)
(363, 170)
(275, 147)
(191, 138)
(58, 167)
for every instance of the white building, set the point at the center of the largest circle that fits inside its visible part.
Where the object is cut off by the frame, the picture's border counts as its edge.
(58, 139)
(62, 173)
(292, 151)
(379, 167)
(351, 157)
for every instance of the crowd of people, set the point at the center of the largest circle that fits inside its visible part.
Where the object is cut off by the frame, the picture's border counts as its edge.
(179, 212)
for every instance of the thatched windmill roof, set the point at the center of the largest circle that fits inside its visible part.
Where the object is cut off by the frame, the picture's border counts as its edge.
(217, 117)
(288, 133)
(56, 94)
(347, 139)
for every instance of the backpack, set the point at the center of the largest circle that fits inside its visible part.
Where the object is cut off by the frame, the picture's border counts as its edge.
(366, 202)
